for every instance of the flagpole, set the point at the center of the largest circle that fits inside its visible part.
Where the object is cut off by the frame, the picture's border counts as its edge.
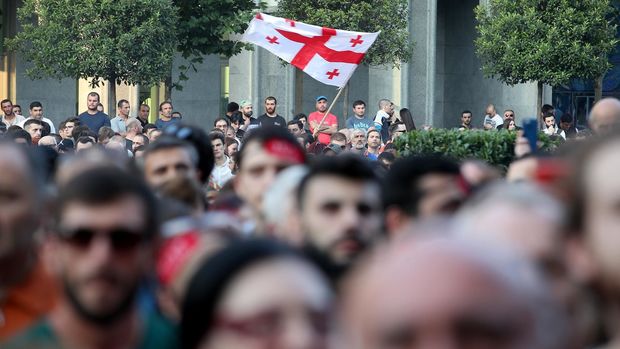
(316, 130)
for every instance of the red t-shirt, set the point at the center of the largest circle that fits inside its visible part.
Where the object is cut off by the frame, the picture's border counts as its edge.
(330, 120)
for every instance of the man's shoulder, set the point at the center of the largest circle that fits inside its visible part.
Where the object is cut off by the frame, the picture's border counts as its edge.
(159, 333)
(39, 335)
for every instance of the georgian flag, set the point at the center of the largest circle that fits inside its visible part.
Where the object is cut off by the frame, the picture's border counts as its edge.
(328, 55)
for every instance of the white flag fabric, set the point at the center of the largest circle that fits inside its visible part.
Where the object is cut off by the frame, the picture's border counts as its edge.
(328, 55)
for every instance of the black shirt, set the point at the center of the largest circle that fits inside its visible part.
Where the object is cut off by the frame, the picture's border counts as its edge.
(266, 120)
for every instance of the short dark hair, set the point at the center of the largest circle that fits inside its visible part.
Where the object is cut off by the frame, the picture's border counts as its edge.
(295, 122)
(566, 117)
(271, 98)
(121, 102)
(400, 186)
(84, 140)
(217, 135)
(6, 100)
(220, 119)
(547, 110)
(358, 102)
(83, 130)
(31, 122)
(36, 104)
(466, 112)
(199, 140)
(168, 142)
(19, 133)
(103, 185)
(94, 94)
(164, 103)
(265, 133)
(300, 116)
(232, 107)
(145, 139)
(371, 131)
(349, 166)
(338, 136)
(76, 121)
(148, 127)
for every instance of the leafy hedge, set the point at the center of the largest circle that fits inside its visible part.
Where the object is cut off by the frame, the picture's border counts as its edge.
(496, 148)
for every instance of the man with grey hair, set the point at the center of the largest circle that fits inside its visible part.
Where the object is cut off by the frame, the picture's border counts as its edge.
(605, 115)
(521, 216)
(133, 127)
(431, 292)
(358, 141)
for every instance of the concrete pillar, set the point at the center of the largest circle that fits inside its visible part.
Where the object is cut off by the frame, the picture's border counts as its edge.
(421, 84)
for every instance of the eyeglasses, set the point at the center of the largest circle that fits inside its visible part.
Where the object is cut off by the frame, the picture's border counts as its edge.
(121, 239)
(175, 130)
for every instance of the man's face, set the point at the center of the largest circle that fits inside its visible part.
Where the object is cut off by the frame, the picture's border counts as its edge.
(466, 119)
(221, 125)
(100, 255)
(294, 130)
(270, 107)
(218, 148)
(17, 110)
(230, 132)
(359, 140)
(144, 112)
(374, 140)
(303, 121)
(35, 132)
(7, 108)
(137, 140)
(458, 304)
(601, 216)
(509, 114)
(341, 216)
(565, 125)
(247, 111)
(257, 172)
(359, 110)
(321, 106)
(441, 194)
(19, 211)
(166, 110)
(490, 111)
(341, 144)
(36, 113)
(124, 110)
(549, 121)
(167, 164)
(92, 102)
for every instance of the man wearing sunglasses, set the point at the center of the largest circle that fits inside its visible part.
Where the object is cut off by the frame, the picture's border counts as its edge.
(101, 249)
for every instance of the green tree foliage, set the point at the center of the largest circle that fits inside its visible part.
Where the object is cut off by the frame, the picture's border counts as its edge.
(393, 45)
(122, 41)
(548, 41)
(206, 26)
(209, 27)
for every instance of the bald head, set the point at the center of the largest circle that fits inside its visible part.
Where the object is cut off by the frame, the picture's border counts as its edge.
(443, 293)
(605, 115)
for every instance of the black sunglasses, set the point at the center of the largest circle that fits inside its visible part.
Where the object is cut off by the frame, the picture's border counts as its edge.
(121, 239)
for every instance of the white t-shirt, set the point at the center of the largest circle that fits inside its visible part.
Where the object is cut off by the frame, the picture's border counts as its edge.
(222, 174)
(495, 121)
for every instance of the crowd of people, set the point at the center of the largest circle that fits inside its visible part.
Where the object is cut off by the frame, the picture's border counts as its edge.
(304, 234)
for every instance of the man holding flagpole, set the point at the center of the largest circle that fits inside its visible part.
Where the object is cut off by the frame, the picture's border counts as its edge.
(330, 124)
(328, 55)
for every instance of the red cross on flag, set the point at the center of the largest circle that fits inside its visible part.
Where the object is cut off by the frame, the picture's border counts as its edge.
(328, 55)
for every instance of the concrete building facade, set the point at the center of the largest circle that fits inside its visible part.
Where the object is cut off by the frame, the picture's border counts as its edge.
(442, 79)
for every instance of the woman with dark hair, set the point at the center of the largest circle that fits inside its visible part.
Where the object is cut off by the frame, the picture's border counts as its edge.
(407, 119)
(256, 294)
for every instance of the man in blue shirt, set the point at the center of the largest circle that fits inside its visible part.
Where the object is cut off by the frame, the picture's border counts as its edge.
(165, 116)
(359, 119)
(93, 118)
